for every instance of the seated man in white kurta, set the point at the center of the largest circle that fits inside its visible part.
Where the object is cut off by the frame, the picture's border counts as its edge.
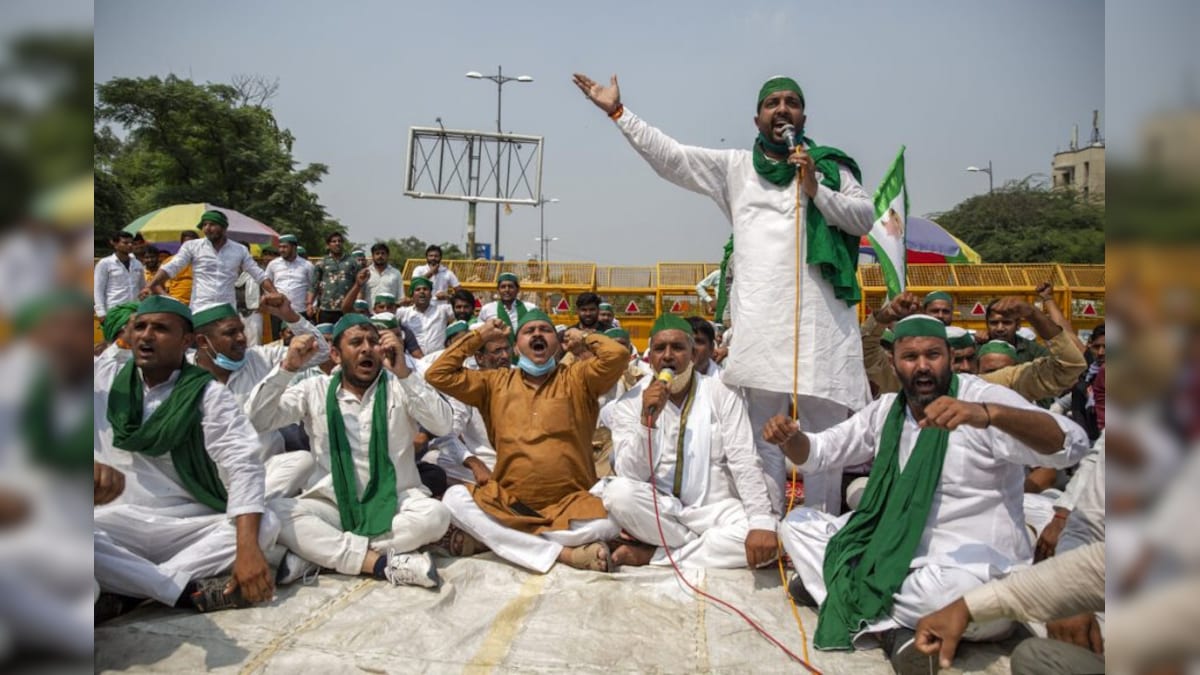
(711, 497)
(193, 504)
(942, 509)
(801, 339)
(364, 509)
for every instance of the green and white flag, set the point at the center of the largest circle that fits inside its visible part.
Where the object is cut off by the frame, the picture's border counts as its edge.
(889, 234)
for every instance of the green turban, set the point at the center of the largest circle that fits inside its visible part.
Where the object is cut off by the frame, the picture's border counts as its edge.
(164, 304)
(349, 321)
(617, 333)
(938, 295)
(289, 239)
(533, 315)
(919, 325)
(35, 311)
(359, 253)
(213, 315)
(456, 328)
(997, 347)
(778, 83)
(213, 216)
(301, 252)
(360, 305)
(959, 338)
(418, 282)
(382, 297)
(508, 276)
(325, 329)
(671, 322)
(116, 319)
(384, 320)
(606, 306)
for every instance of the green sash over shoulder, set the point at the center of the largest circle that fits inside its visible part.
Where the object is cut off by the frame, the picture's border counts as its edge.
(372, 513)
(174, 427)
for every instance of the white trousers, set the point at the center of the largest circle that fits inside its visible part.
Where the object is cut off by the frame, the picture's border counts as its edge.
(253, 326)
(153, 552)
(822, 489)
(712, 535)
(312, 529)
(536, 552)
(287, 473)
(806, 533)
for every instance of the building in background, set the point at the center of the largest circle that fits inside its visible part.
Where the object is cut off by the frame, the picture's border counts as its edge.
(1081, 168)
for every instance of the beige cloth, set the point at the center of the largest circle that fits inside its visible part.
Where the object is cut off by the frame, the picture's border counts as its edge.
(542, 435)
(1045, 376)
(1062, 586)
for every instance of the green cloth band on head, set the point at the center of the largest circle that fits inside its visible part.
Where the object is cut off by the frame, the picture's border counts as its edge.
(165, 304)
(508, 276)
(959, 338)
(325, 328)
(919, 325)
(418, 282)
(289, 239)
(456, 328)
(361, 304)
(606, 306)
(35, 311)
(384, 320)
(617, 333)
(671, 322)
(533, 315)
(937, 295)
(212, 216)
(213, 315)
(301, 252)
(888, 337)
(359, 253)
(998, 347)
(349, 321)
(778, 83)
(382, 297)
(116, 319)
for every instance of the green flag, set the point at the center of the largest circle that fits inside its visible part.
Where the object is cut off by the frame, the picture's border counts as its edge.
(889, 234)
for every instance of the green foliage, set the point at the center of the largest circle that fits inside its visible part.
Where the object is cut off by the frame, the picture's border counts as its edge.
(1022, 222)
(412, 247)
(188, 142)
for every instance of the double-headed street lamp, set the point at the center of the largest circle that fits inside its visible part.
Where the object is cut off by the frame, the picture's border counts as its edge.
(988, 171)
(542, 226)
(545, 245)
(500, 79)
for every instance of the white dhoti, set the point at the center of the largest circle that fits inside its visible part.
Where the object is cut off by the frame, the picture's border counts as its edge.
(805, 534)
(711, 535)
(311, 527)
(253, 326)
(153, 552)
(536, 552)
(822, 489)
(287, 473)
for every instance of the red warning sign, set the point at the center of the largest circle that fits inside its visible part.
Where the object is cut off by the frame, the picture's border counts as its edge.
(1089, 308)
(562, 306)
(678, 308)
(632, 308)
(978, 309)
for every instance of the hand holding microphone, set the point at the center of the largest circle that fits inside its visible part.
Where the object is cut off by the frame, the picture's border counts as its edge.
(655, 395)
(800, 158)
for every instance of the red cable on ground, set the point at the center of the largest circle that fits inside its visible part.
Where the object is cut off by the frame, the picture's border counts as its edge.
(667, 549)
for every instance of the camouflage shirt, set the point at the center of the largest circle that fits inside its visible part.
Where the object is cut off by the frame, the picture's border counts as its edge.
(335, 278)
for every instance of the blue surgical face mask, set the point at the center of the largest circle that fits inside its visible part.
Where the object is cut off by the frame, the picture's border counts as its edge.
(534, 370)
(224, 362)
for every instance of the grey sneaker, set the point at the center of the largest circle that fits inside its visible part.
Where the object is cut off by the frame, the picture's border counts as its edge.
(411, 569)
(294, 568)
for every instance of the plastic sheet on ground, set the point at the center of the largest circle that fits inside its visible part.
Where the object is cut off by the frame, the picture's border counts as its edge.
(489, 616)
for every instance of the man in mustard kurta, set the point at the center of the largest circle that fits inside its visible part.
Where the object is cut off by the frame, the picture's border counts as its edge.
(537, 508)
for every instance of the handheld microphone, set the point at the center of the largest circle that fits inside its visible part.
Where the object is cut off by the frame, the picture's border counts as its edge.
(665, 376)
(789, 135)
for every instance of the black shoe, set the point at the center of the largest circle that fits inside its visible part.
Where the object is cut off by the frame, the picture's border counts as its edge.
(111, 605)
(900, 645)
(209, 595)
(800, 594)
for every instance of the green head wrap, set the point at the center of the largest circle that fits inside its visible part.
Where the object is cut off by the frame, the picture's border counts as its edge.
(164, 304)
(606, 306)
(359, 253)
(289, 239)
(213, 315)
(325, 329)
(507, 276)
(348, 321)
(533, 315)
(456, 328)
(116, 319)
(360, 305)
(671, 322)
(382, 297)
(35, 311)
(919, 325)
(888, 337)
(384, 320)
(997, 347)
(937, 295)
(301, 252)
(418, 282)
(778, 83)
(617, 333)
(959, 338)
(213, 216)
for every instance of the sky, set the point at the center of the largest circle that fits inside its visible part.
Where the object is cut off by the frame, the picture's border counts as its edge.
(958, 83)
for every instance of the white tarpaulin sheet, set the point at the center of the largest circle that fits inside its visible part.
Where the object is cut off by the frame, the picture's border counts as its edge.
(489, 616)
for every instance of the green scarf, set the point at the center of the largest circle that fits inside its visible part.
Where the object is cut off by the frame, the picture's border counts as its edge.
(372, 513)
(722, 287)
(68, 452)
(835, 251)
(868, 560)
(502, 314)
(174, 427)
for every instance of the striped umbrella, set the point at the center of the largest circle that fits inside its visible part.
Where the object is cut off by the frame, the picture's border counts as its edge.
(927, 242)
(165, 224)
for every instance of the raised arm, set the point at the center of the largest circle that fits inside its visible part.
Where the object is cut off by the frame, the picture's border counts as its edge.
(601, 373)
(273, 404)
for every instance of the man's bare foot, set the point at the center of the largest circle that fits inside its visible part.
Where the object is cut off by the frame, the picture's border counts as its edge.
(594, 557)
(632, 554)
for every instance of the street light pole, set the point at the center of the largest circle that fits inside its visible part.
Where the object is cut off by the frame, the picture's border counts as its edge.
(988, 171)
(542, 226)
(500, 79)
(545, 246)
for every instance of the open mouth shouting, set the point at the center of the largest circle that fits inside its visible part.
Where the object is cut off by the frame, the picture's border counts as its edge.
(540, 348)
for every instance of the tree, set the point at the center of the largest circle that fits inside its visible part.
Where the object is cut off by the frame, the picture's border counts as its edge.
(215, 143)
(1027, 223)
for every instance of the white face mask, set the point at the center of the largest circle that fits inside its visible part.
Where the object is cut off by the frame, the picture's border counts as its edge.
(681, 381)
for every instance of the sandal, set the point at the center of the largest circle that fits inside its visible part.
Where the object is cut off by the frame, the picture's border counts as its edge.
(456, 543)
(585, 558)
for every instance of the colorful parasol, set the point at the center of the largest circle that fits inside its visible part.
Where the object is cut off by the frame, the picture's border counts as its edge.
(927, 242)
(165, 224)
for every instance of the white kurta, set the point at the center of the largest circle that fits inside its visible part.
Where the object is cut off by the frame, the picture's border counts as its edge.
(763, 217)
(294, 279)
(727, 499)
(390, 280)
(213, 272)
(492, 310)
(113, 283)
(976, 526)
(429, 327)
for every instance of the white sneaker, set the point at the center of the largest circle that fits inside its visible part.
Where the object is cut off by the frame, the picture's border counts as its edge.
(294, 568)
(411, 569)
